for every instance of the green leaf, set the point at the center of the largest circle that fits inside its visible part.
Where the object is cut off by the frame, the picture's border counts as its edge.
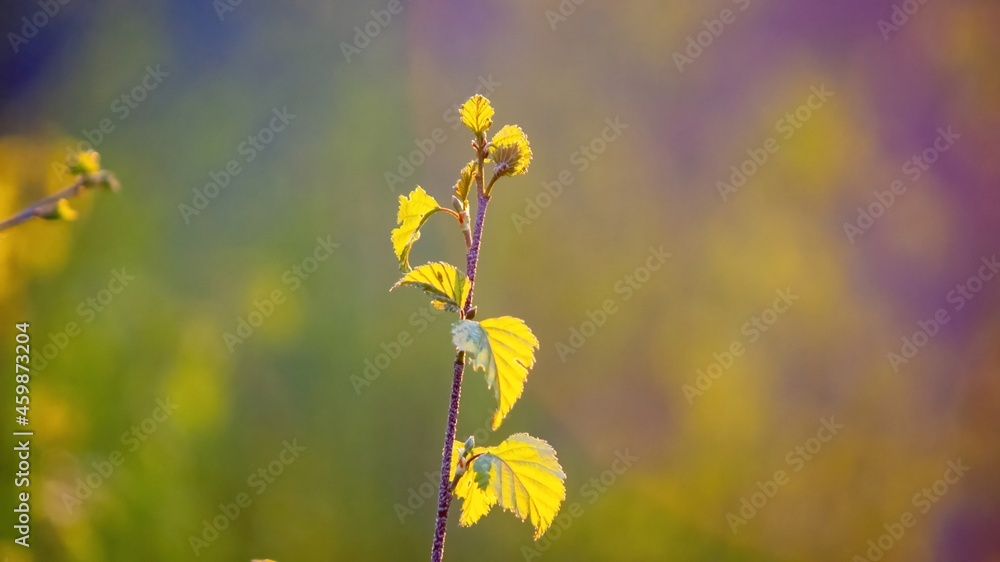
(465, 179)
(449, 286)
(413, 212)
(481, 468)
(504, 347)
(477, 114)
(510, 151)
(475, 502)
(522, 474)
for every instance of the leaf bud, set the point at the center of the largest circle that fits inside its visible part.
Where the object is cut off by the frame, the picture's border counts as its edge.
(61, 210)
(86, 162)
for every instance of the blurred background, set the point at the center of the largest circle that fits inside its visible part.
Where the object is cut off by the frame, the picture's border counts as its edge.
(216, 373)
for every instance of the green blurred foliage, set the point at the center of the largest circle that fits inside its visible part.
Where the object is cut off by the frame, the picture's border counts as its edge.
(323, 176)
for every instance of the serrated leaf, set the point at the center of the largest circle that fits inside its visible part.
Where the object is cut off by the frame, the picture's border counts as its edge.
(475, 501)
(443, 281)
(477, 114)
(504, 347)
(465, 179)
(510, 151)
(413, 212)
(522, 474)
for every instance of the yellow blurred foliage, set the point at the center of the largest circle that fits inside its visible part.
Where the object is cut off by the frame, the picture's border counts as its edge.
(29, 170)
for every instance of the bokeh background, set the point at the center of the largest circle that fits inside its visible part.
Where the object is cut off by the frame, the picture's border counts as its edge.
(558, 69)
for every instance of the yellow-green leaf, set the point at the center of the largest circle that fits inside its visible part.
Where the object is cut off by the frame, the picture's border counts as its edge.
(61, 210)
(449, 286)
(477, 114)
(86, 162)
(475, 501)
(522, 474)
(510, 151)
(465, 179)
(413, 212)
(504, 347)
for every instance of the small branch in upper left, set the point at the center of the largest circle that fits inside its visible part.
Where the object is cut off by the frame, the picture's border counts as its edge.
(86, 166)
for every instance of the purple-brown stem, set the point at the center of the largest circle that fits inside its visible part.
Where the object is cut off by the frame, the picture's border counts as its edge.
(472, 260)
(444, 492)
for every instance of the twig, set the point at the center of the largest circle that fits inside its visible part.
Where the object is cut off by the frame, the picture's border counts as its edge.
(47, 204)
(472, 260)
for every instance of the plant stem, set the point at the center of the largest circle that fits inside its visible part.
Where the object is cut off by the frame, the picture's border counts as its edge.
(46, 204)
(472, 259)
(445, 491)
